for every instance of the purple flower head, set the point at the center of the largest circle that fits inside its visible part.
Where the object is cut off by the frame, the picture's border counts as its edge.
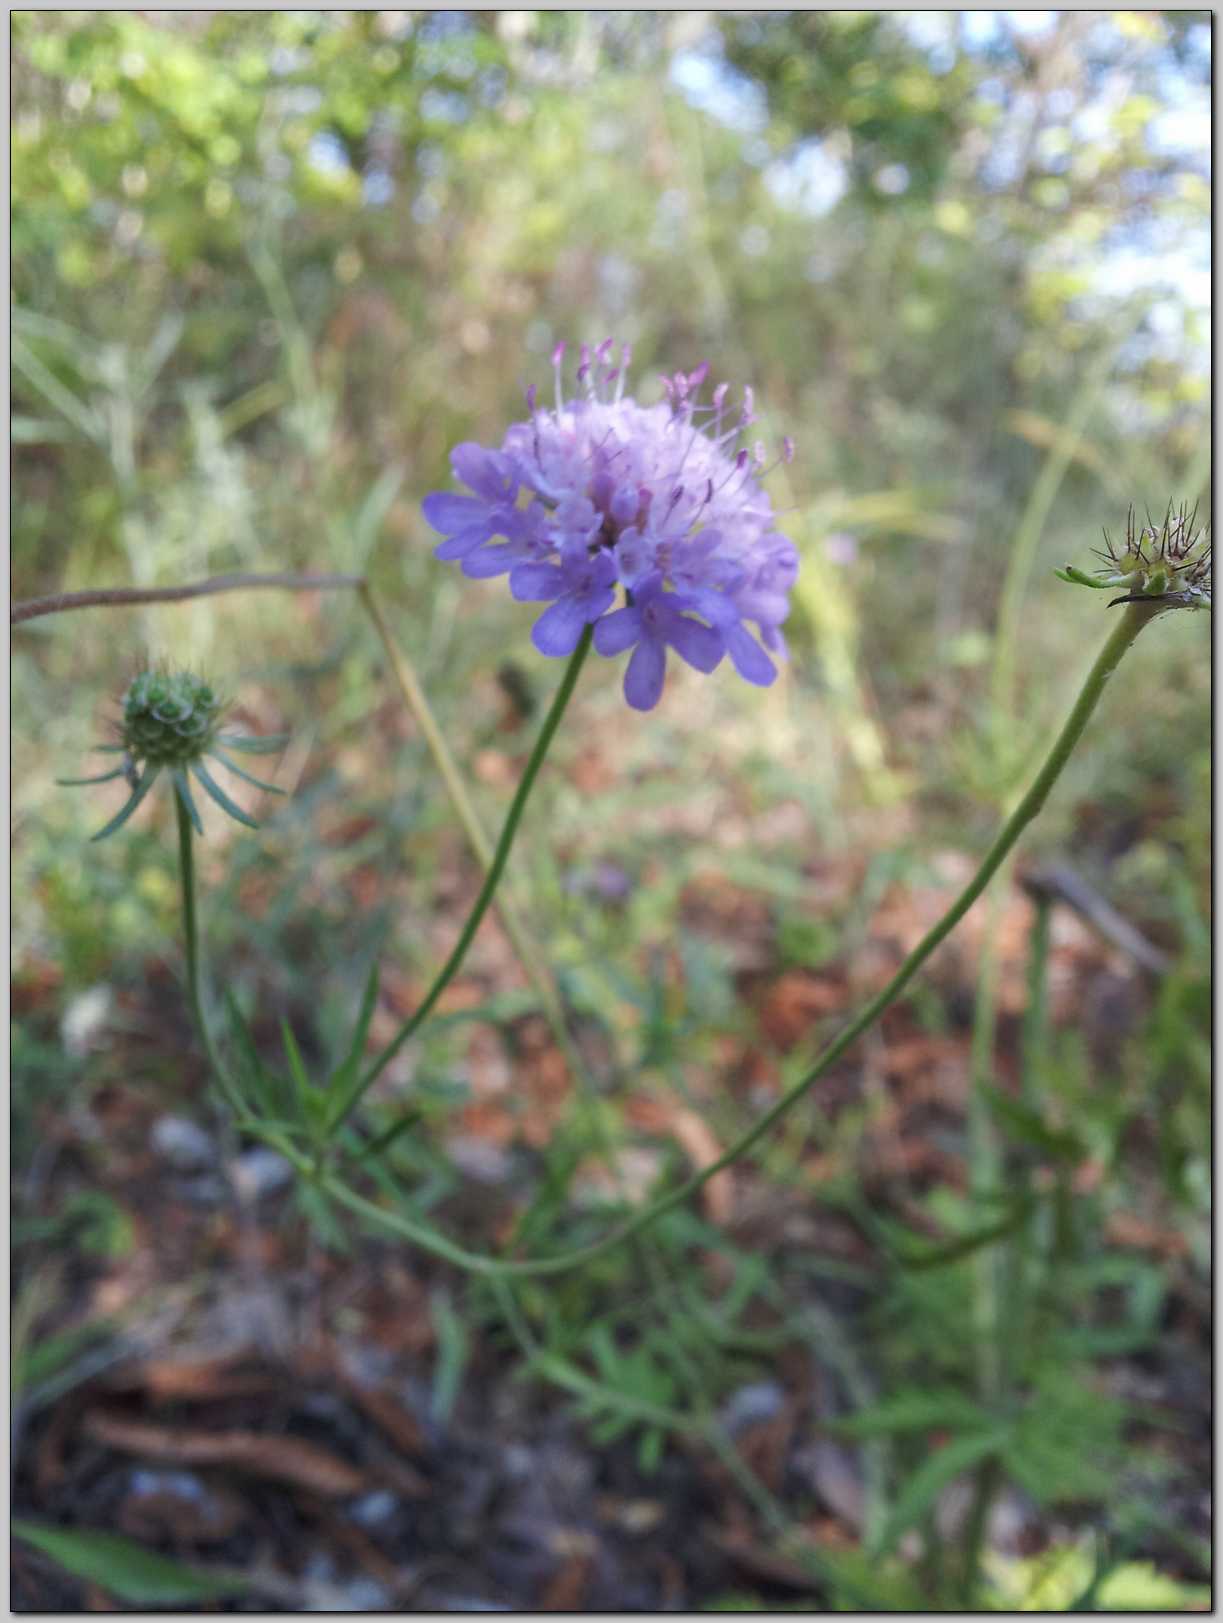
(580, 589)
(662, 501)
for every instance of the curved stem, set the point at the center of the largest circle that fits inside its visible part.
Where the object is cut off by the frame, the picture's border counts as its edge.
(414, 697)
(120, 596)
(195, 991)
(496, 868)
(1123, 634)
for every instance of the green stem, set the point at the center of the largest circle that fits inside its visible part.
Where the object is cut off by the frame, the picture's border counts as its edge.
(529, 954)
(984, 1150)
(1014, 1330)
(487, 891)
(1036, 1016)
(1021, 554)
(195, 992)
(1123, 634)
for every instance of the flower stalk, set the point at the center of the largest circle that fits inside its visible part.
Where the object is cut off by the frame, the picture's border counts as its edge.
(1127, 628)
(191, 951)
(491, 880)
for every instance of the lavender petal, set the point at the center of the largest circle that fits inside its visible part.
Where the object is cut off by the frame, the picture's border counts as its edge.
(617, 631)
(701, 646)
(559, 629)
(644, 677)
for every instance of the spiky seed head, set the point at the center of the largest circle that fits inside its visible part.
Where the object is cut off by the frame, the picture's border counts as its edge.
(1168, 564)
(170, 718)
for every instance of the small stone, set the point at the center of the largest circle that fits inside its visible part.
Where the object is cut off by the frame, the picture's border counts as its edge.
(479, 1160)
(84, 1019)
(319, 1568)
(259, 1173)
(374, 1510)
(365, 1595)
(751, 1404)
(206, 1190)
(835, 1473)
(184, 1144)
(180, 1506)
(518, 1460)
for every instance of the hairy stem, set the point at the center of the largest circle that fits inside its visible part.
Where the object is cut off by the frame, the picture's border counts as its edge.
(191, 942)
(119, 596)
(1123, 634)
(491, 879)
(530, 954)
(414, 697)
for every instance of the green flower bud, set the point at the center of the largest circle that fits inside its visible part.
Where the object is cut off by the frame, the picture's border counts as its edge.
(171, 722)
(169, 719)
(1167, 565)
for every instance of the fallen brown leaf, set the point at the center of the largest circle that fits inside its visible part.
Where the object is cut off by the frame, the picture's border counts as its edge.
(565, 1589)
(696, 1139)
(282, 1459)
(1128, 1229)
(391, 1418)
(359, 1545)
(793, 1005)
(206, 1514)
(194, 1380)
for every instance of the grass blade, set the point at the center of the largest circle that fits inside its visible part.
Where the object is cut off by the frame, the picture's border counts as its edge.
(126, 1569)
(926, 1484)
(348, 1073)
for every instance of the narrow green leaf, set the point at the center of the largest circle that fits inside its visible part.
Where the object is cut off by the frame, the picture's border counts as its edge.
(240, 1029)
(109, 749)
(603, 1432)
(926, 1484)
(605, 1354)
(55, 393)
(649, 1450)
(102, 777)
(297, 1065)
(347, 1076)
(126, 1569)
(240, 772)
(164, 342)
(213, 789)
(53, 1354)
(371, 514)
(453, 1348)
(322, 1218)
(915, 1411)
(379, 1145)
(253, 746)
(1076, 577)
(306, 1092)
(963, 1245)
(1028, 1125)
(38, 431)
(261, 1093)
(183, 790)
(138, 794)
